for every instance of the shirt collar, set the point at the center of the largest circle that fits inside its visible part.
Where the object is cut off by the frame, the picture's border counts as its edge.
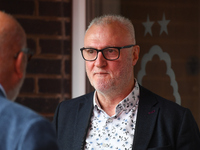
(127, 104)
(2, 90)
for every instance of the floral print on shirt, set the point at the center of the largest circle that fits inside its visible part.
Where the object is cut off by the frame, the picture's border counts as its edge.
(115, 132)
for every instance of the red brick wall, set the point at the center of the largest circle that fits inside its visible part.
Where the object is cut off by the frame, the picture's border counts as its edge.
(48, 27)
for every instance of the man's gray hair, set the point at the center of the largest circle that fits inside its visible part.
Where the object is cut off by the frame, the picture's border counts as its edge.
(108, 19)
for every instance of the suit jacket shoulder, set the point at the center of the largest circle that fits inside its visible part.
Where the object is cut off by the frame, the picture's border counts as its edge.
(71, 121)
(23, 129)
(148, 98)
(165, 124)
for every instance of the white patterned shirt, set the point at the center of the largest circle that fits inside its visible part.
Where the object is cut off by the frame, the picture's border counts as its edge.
(115, 132)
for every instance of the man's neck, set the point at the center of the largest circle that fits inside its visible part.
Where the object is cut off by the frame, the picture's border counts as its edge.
(108, 102)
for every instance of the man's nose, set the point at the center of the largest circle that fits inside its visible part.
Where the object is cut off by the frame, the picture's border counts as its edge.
(100, 61)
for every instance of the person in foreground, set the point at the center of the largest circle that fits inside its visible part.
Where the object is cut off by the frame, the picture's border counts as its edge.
(120, 113)
(20, 128)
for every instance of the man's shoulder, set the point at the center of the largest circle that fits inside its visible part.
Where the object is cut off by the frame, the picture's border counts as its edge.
(169, 111)
(13, 112)
(69, 106)
(81, 99)
(17, 122)
(161, 101)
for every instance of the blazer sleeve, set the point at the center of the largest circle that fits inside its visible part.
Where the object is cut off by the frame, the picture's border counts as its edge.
(39, 135)
(189, 136)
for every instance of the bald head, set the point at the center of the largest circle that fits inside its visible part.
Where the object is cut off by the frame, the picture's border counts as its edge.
(12, 36)
(12, 68)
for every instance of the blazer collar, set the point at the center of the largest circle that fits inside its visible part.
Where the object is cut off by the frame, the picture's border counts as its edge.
(147, 114)
(83, 120)
(146, 119)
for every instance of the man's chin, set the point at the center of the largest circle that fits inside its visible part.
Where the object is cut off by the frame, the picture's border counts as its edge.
(102, 89)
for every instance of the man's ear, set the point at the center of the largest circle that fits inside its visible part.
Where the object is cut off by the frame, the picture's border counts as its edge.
(19, 65)
(136, 52)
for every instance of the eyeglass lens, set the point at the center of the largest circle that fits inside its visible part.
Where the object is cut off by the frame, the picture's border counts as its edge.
(108, 53)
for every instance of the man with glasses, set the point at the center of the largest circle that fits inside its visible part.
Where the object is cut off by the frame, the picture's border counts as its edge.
(120, 114)
(20, 128)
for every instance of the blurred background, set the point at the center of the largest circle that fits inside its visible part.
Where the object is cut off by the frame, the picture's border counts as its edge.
(167, 32)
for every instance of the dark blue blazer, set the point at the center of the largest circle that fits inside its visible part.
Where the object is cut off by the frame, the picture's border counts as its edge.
(23, 129)
(161, 124)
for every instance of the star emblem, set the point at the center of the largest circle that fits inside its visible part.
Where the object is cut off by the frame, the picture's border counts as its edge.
(163, 23)
(148, 24)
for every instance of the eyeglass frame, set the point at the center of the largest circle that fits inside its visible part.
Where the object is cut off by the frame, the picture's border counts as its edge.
(27, 51)
(101, 50)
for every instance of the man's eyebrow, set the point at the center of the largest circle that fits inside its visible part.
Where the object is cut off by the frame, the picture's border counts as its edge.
(101, 48)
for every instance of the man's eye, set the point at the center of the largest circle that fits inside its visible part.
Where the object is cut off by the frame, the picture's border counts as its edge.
(90, 51)
(111, 50)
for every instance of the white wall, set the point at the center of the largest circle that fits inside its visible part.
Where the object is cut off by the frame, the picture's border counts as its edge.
(78, 31)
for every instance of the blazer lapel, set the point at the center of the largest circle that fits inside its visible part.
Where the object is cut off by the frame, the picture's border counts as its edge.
(1, 92)
(146, 119)
(83, 120)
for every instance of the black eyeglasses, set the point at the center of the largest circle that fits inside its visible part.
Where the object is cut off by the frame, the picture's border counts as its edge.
(109, 53)
(27, 51)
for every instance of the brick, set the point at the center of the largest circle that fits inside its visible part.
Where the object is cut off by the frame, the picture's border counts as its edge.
(17, 7)
(55, 9)
(68, 28)
(52, 86)
(67, 47)
(55, 47)
(67, 9)
(68, 66)
(40, 105)
(50, 46)
(44, 66)
(50, 8)
(31, 44)
(67, 86)
(28, 86)
(36, 26)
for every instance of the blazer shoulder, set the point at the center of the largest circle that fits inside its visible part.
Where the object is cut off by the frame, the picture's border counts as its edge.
(152, 98)
(72, 104)
(81, 99)
(25, 126)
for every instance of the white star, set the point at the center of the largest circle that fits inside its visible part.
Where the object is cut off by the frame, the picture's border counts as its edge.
(148, 24)
(163, 23)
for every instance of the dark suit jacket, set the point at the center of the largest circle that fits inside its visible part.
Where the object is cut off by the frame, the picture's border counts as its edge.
(161, 124)
(22, 129)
